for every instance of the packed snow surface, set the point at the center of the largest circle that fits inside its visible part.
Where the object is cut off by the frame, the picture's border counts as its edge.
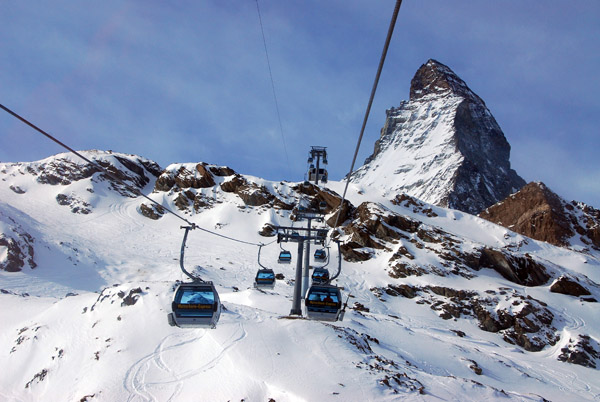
(90, 321)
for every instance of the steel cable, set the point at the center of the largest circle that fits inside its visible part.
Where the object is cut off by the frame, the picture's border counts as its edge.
(368, 111)
(118, 180)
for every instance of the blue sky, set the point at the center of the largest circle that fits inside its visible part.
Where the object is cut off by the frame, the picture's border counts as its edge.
(187, 81)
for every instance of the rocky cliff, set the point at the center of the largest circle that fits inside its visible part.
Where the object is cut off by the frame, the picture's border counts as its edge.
(537, 212)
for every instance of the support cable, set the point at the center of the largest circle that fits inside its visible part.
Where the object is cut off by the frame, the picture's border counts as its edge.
(118, 180)
(339, 271)
(182, 254)
(368, 111)
(273, 88)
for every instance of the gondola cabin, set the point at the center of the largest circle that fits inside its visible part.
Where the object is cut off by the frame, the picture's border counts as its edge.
(195, 305)
(323, 303)
(320, 255)
(320, 275)
(322, 174)
(285, 257)
(265, 278)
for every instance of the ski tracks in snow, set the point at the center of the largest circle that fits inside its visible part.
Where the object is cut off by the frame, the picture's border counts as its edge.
(135, 379)
(126, 212)
(152, 378)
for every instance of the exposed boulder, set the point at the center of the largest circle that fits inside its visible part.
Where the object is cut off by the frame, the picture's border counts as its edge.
(523, 270)
(416, 205)
(404, 270)
(17, 189)
(192, 179)
(153, 212)
(131, 298)
(268, 230)
(354, 252)
(568, 286)
(184, 199)
(62, 171)
(345, 212)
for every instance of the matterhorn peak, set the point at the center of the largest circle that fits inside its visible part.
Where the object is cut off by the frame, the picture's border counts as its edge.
(435, 78)
(443, 146)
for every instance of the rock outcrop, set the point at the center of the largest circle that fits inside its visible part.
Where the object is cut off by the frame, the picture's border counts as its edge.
(527, 322)
(200, 186)
(537, 212)
(16, 245)
(583, 351)
(568, 286)
(133, 173)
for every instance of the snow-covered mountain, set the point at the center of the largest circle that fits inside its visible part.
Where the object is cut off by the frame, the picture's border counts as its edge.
(442, 304)
(443, 146)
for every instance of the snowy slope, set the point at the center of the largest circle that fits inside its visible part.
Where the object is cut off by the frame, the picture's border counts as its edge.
(422, 156)
(89, 321)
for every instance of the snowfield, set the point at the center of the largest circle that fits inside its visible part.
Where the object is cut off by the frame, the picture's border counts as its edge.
(89, 321)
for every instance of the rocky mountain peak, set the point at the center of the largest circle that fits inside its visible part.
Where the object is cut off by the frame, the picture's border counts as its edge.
(434, 78)
(443, 146)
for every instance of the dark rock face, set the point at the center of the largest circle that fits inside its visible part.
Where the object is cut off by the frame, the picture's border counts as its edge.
(568, 286)
(374, 227)
(18, 244)
(131, 298)
(434, 78)
(522, 270)
(63, 172)
(17, 253)
(537, 212)
(221, 171)
(485, 175)
(584, 352)
(17, 189)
